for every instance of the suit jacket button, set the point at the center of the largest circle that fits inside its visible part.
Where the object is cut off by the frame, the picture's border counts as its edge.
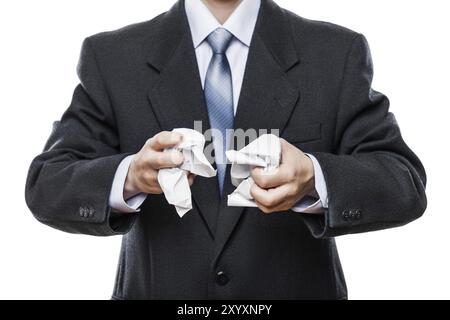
(91, 212)
(358, 214)
(345, 215)
(352, 214)
(221, 278)
(81, 212)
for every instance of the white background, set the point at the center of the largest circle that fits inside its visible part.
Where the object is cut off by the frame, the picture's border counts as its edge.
(39, 46)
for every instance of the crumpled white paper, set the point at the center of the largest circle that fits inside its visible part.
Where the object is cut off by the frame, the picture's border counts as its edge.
(174, 181)
(263, 152)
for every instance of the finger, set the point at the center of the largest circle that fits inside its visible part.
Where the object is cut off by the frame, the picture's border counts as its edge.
(164, 140)
(149, 175)
(270, 198)
(155, 189)
(281, 207)
(150, 182)
(167, 159)
(271, 178)
(264, 209)
(284, 147)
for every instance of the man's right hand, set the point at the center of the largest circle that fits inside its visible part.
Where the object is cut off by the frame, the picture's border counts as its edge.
(142, 175)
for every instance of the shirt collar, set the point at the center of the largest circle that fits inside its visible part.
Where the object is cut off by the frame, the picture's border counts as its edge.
(241, 23)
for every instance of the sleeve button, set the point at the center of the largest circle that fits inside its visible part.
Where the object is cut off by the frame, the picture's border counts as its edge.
(345, 214)
(352, 214)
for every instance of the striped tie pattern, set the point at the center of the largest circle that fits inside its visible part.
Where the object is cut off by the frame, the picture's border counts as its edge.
(219, 98)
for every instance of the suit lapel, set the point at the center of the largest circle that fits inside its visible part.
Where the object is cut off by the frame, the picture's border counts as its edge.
(267, 96)
(177, 98)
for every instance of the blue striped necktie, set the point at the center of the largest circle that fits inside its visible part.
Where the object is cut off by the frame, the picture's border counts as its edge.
(219, 98)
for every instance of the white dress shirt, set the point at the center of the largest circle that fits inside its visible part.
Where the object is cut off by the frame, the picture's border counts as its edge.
(201, 23)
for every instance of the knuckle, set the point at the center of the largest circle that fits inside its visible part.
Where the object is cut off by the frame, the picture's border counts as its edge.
(140, 158)
(159, 159)
(291, 175)
(265, 210)
(149, 141)
(164, 135)
(293, 190)
(268, 201)
(262, 181)
(147, 175)
(157, 139)
(161, 134)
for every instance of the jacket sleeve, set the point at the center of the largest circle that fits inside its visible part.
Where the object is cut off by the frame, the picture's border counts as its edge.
(374, 180)
(68, 185)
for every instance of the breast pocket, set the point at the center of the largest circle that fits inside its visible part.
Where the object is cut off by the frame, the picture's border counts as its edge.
(301, 133)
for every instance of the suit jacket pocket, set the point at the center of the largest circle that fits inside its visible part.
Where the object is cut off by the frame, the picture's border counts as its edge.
(295, 133)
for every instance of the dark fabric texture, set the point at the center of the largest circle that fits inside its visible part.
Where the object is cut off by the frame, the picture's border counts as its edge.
(309, 79)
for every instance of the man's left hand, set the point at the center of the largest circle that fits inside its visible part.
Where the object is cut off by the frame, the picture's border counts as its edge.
(280, 189)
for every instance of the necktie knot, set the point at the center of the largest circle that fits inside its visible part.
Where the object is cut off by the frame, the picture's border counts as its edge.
(219, 40)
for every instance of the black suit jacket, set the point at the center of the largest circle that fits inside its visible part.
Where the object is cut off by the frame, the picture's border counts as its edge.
(311, 80)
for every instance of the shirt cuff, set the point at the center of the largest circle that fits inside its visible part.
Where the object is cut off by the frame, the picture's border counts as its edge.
(311, 204)
(116, 200)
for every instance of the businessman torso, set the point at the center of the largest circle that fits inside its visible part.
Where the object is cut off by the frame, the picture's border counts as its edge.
(144, 79)
(267, 256)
